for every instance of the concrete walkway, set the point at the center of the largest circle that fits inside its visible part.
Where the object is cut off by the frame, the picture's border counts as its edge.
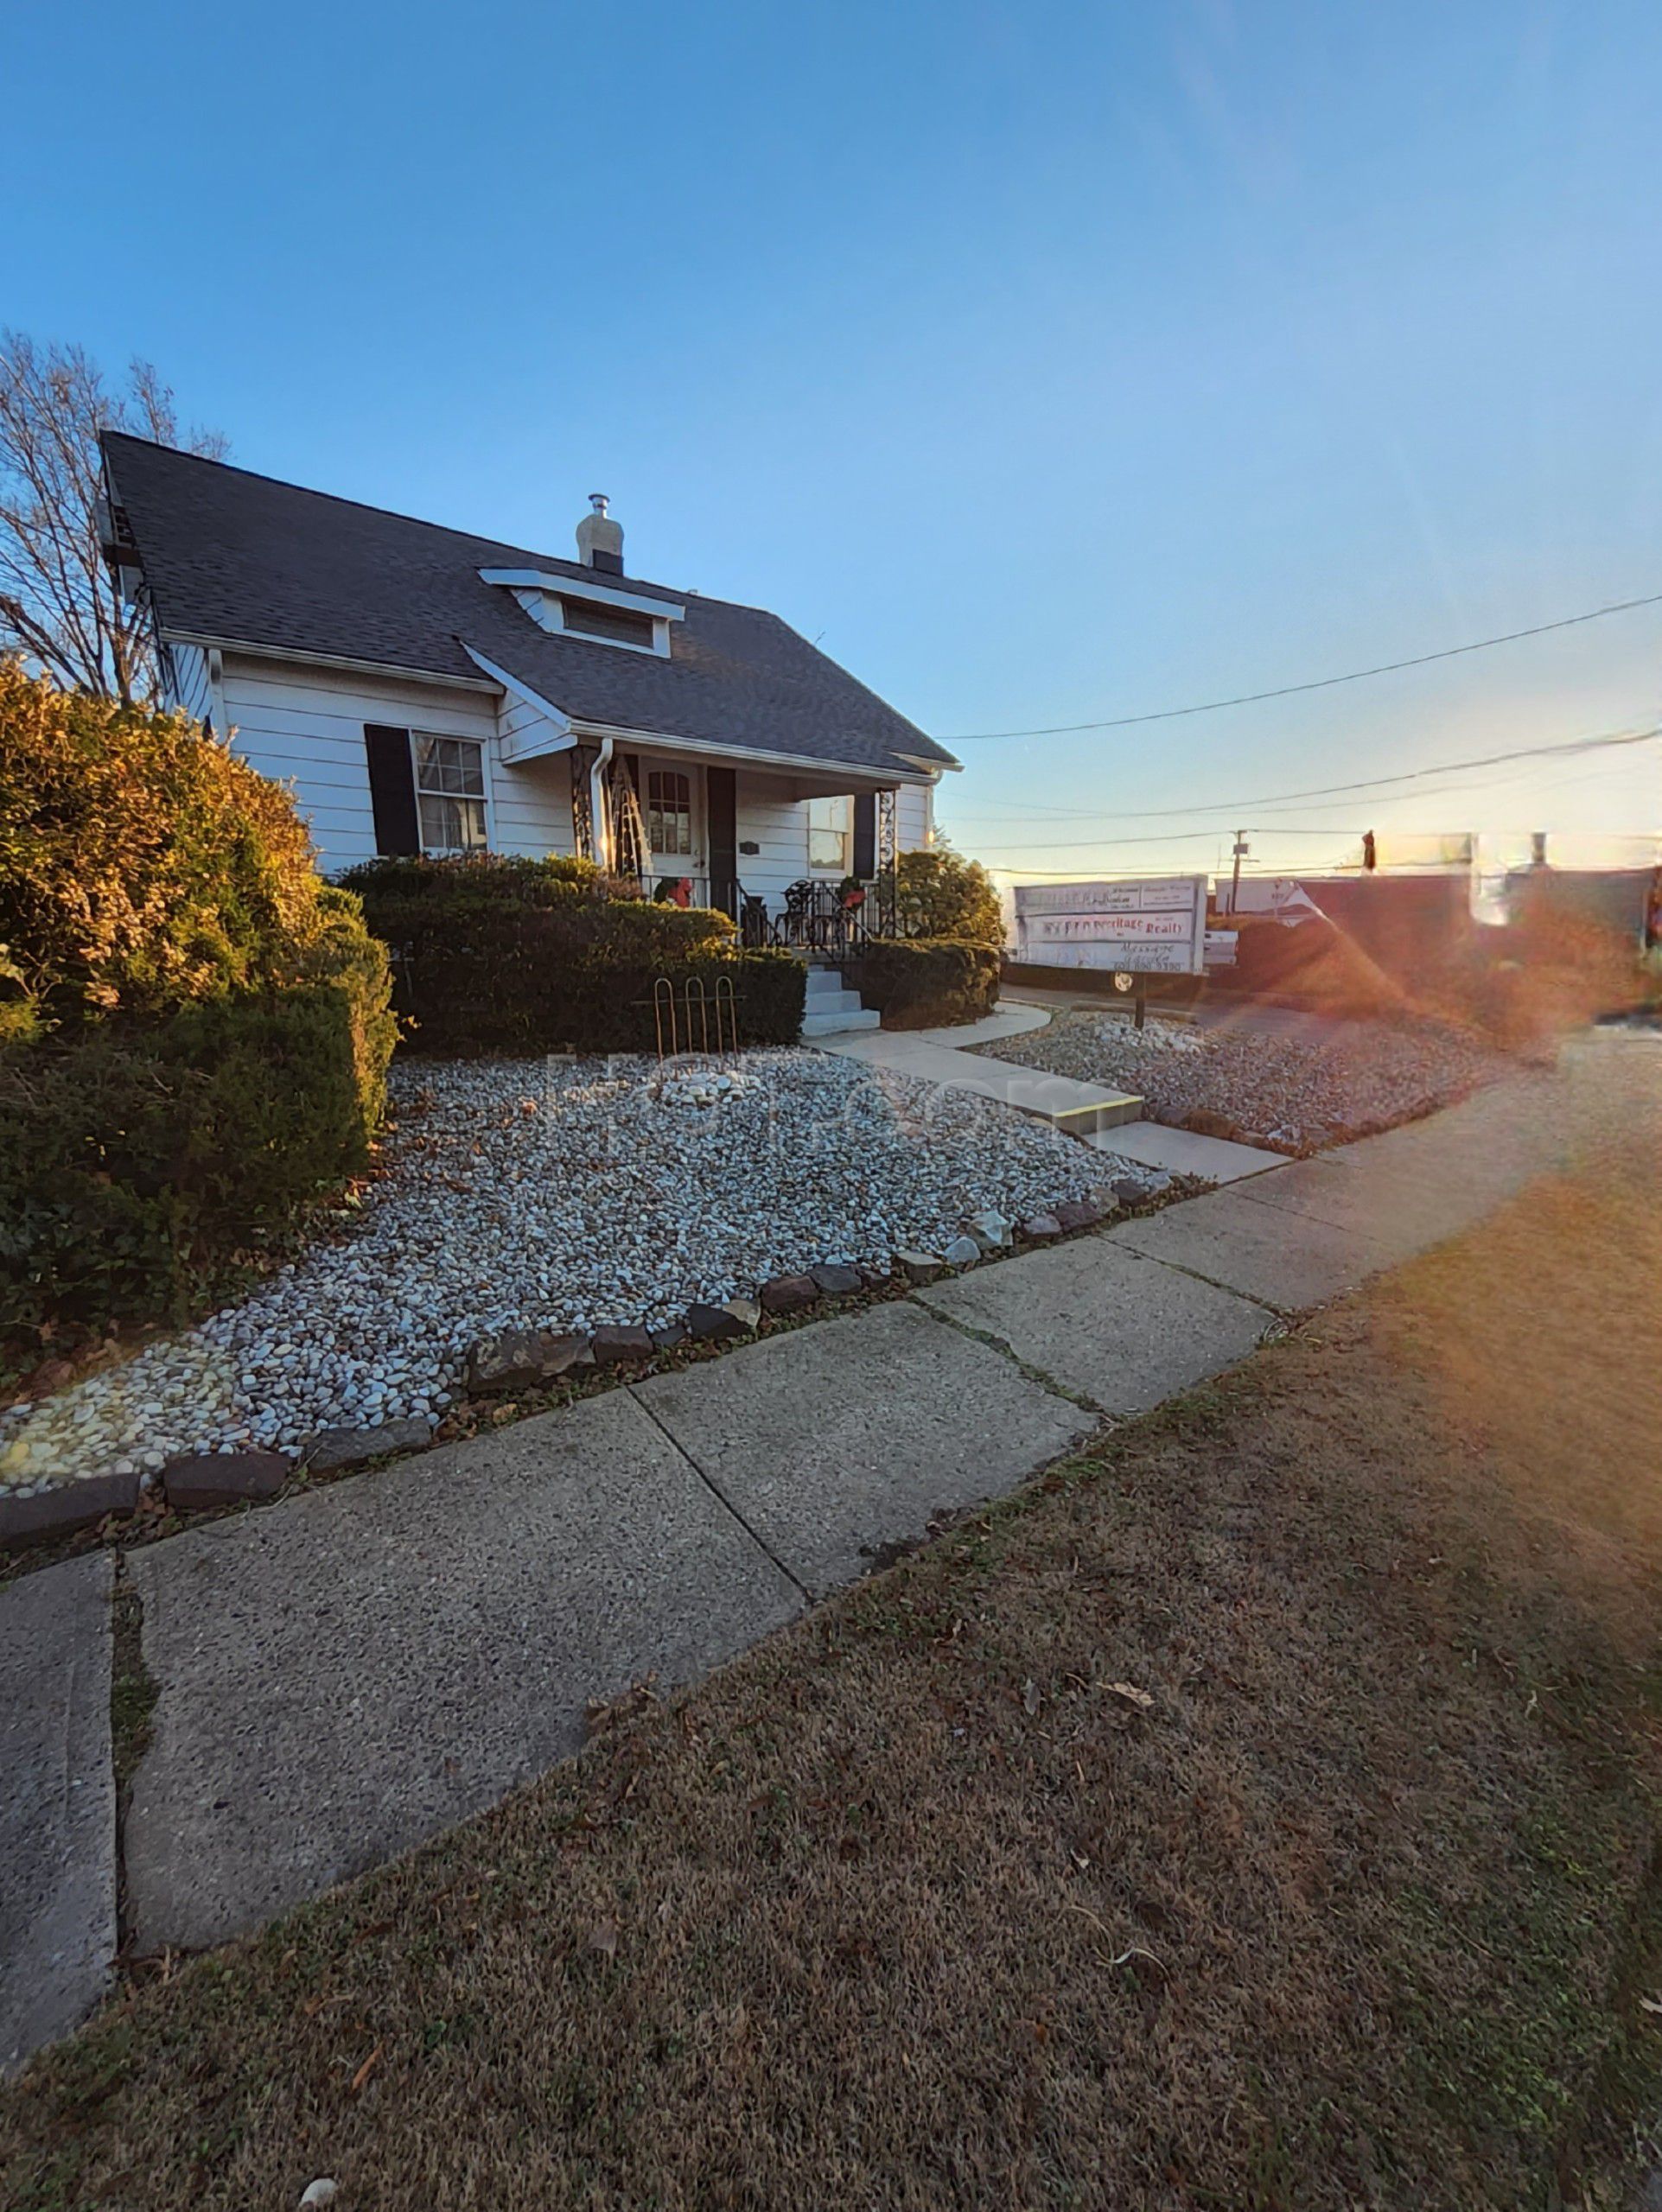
(347, 1671)
(1111, 1120)
(1010, 1021)
(1048, 1097)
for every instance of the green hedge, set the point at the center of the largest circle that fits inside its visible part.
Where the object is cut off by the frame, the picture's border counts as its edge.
(500, 956)
(935, 893)
(923, 983)
(144, 1163)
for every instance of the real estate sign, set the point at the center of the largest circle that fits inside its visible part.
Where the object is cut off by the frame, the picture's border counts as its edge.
(1152, 928)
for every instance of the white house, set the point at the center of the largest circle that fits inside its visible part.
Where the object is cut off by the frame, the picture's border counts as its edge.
(424, 691)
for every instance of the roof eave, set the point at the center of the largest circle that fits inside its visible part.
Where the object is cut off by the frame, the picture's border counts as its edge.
(860, 774)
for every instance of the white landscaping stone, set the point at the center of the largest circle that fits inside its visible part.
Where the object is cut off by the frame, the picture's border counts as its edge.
(1304, 1091)
(563, 1195)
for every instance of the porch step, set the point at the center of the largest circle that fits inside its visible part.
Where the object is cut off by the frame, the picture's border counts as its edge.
(834, 1000)
(818, 1023)
(822, 979)
(830, 1007)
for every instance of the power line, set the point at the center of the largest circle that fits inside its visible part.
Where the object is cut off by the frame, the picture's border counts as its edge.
(1567, 745)
(1170, 837)
(1139, 875)
(1316, 683)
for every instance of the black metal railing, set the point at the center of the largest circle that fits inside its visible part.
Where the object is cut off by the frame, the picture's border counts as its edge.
(823, 919)
(829, 921)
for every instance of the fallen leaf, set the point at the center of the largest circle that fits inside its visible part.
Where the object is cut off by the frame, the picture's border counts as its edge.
(365, 2071)
(1030, 1696)
(1132, 1695)
(602, 1938)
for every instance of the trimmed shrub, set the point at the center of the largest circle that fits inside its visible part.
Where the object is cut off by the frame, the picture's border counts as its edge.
(936, 893)
(143, 1165)
(195, 1028)
(505, 956)
(925, 982)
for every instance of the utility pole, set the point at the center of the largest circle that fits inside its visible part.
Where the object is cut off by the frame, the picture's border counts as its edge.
(1235, 880)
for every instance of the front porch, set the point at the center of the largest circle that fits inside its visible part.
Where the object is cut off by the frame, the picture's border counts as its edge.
(799, 856)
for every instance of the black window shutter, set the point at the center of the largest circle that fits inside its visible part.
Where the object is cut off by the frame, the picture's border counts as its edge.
(865, 835)
(391, 789)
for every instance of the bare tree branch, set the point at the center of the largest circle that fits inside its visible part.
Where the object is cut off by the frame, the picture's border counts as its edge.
(59, 602)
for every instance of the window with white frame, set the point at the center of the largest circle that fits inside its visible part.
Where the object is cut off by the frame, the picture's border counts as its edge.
(669, 813)
(451, 792)
(830, 832)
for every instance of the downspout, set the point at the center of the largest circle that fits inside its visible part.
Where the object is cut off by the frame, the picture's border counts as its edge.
(599, 814)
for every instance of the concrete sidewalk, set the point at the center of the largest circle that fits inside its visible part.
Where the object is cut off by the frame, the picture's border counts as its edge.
(57, 1803)
(346, 1672)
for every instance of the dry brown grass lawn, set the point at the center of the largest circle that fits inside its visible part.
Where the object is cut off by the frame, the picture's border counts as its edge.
(1259, 1814)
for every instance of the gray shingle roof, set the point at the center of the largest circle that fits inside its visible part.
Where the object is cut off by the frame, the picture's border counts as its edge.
(243, 559)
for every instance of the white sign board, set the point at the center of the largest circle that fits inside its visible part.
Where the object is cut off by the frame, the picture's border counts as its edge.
(1155, 928)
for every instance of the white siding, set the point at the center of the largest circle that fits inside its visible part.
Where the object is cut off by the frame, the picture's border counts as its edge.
(305, 726)
(771, 815)
(190, 689)
(532, 800)
(768, 815)
(914, 818)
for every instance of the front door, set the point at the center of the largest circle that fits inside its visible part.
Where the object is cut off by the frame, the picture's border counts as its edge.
(674, 820)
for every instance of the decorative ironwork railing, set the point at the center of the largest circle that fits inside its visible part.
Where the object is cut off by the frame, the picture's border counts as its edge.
(830, 920)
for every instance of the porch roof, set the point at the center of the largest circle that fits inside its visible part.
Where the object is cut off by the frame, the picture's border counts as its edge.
(808, 777)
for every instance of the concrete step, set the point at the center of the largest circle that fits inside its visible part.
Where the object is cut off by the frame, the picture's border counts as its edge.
(834, 1024)
(824, 980)
(832, 1002)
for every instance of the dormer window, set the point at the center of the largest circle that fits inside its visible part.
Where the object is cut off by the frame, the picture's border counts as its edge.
(620, 626)
(602, 612)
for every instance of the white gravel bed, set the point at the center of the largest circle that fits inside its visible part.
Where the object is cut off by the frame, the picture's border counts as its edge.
(1298, 1093)
(564, 1194)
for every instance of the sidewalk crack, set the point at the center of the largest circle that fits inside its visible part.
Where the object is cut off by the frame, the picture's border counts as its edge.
(723, 1499)
(1039, 1375)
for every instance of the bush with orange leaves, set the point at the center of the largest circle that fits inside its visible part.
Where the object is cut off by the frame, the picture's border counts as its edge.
(142, 865)
(195, 1028)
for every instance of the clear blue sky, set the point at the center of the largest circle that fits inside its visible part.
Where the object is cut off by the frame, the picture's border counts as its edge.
(1050, 361)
